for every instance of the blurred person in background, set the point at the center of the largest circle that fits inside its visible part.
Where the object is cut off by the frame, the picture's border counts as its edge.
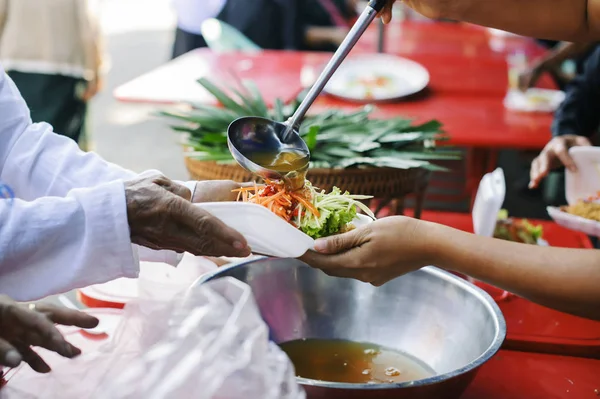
(552, 63)
(52, 51)
(270, 24)
(575, 123)
(190, 16)
(326, 23)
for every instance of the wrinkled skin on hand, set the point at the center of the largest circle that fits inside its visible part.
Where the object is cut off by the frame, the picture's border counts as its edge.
(374, 253)
(161, 216)
(22, 328)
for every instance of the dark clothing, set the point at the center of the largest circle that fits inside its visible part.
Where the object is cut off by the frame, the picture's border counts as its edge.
(579, 61)
(270, 24)
(579, 114)
(186, 41)
(54, 99)
(314, 14)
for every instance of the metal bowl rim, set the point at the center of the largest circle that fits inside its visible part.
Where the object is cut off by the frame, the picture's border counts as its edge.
(500, 324)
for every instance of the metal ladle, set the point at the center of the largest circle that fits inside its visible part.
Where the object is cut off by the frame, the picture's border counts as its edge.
(249, 136)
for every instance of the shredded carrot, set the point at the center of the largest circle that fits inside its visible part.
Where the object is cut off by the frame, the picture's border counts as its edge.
(275, 197)
(306, 203)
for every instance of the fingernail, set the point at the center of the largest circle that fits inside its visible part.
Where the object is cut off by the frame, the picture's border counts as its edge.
(239, 245)
(12, 358)
(321, 246)
(531, 185)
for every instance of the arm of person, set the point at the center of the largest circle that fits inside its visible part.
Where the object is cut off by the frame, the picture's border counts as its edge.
(578, 114)
(563, 52)
(560, 278)
(55, 244)
(36, 162)
(570, 20)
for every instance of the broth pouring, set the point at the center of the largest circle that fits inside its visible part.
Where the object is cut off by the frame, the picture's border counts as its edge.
(292, 164)
(352, 362)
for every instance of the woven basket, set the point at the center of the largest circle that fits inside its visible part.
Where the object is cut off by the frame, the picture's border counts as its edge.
(386, 184)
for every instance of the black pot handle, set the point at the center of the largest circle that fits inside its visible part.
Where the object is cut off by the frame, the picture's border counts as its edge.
(377, 5)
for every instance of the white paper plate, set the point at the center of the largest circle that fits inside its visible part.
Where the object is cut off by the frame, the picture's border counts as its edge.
(266, 233)
(404, 78)
(534, 100)
(155, 280)
(574, 222)
(580, 185)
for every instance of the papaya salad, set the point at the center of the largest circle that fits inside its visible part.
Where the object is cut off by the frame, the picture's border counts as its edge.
(314, 212)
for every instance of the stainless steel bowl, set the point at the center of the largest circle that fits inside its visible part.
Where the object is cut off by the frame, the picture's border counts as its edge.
(440, 319)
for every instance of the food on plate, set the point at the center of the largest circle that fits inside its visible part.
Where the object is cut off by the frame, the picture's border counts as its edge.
(539, 99)
(586, 209)
(516, 230)
(336, 360)
(314, 212)
(371, 82)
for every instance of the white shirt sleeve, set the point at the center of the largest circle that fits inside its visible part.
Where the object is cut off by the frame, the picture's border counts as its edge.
(54, 244)
(43, 167)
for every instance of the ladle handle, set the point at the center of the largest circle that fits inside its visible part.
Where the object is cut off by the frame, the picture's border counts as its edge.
(365, 18)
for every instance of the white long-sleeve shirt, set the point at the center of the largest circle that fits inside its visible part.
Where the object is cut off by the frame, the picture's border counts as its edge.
(67, 227)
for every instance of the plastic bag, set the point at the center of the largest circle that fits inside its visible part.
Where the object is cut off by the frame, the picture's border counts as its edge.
(207, 343)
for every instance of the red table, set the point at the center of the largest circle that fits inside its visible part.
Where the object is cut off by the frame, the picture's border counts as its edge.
(465, 93)
(276, 74)
(468, 72)
(521, 375)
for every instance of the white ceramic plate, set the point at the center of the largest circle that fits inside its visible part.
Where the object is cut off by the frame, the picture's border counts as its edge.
(266, 233)
(534, 100)
(355, 79)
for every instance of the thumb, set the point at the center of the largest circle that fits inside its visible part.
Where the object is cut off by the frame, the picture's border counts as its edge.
(582, 141)
(342, 242)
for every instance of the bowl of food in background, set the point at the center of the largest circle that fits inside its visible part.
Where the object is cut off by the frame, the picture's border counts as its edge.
(423, 335)
(518, 230)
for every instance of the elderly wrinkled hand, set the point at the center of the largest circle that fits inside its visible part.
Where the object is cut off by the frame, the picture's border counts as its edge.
(375, 253)
(25, 326)
(555, 154)
(161, 216)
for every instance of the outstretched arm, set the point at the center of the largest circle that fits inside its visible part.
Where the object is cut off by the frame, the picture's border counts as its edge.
(570, 20)
(560, 278)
